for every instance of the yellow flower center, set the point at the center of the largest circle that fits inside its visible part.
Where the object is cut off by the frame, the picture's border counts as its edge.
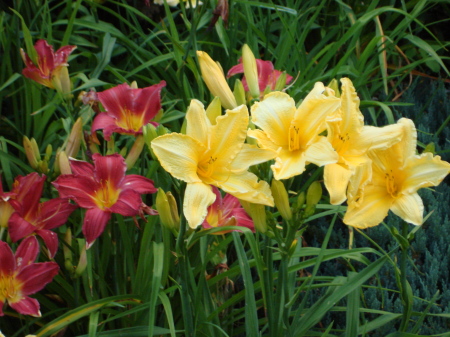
(214, 218)
(206, 167)
(391, 184)
(129, 120)
(294, 138)
(106, 195)
(340, 142)
(9, 288)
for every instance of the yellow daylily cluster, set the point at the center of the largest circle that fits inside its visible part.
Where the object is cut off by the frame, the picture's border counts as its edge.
(375, 168)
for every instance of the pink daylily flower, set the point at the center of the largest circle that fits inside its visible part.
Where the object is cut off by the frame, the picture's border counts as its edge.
(226, 212)
(48, 64)
(128, 109)
(267, 75)
(20, 276)
(103, 188)
(32, 217)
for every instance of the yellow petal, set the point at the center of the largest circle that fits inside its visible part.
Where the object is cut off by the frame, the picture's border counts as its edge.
(372, 137)
(352, 118)
(251, 155)
(197, 122)
(179, 155)
(246, 186)
(407, 146)
(321, 153)
(423, 171)
(336, 179)
(288, 164)
(197, 198)
(228, 135)
(358, 181)
(263, 140)
(372, 210)
(274, 115)
(311, 115)
(409, 208)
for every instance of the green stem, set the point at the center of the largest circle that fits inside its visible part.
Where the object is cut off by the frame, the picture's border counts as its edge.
(405, 287)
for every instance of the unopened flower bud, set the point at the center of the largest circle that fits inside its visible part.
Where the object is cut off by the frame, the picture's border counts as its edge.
(82, 263)
(334, 86)
(299, 202)
(67, 250)
(250, 70)
(281, 199)
(62, 163)
(135, 152)
(32, 151)
(215, 80)
(167, 210)
(258, 214)
(173, 208)
(61, 81)
(314, 193)
(239, 92)
(74, 140)
(281, 82)
(430, 148)
(6, 210)
(161, 130)
(149, 133)
(214, 110)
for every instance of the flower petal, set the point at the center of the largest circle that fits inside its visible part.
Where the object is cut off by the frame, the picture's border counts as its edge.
(197, 198)
(321, 153)
(251, 155)
(372, 210)
(19, 228)
(274, 115)
(128, 203)
(423, 171)
(45, 56)
(138, 184)
(81, 167)
(104, 122)
(26, 306)
(116, 99)
(7, 261)
(50, 239)
(336, 179)
(62, 54)
(110, 168)
(148, 101)
(288, 164)
(179, 155)
(198, 124)
(263, 140)
(36, 276)
(246, 186)
(409, 207)
(227, 136)
(55, 212)
(372, 137)
(27, 252)
(94, 224)
(77, 187)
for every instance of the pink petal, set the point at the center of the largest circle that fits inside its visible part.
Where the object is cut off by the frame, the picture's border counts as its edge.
(36, 276)
(1, 308)
(45, 56)
(55, 212)
(94, 224)
(230, 202)
(62, 54)
(29, 191)
(116, 99)
(110, 168)
(128, 204)
(237, 69)
(265, 69)
(243, 219)
(27, 252)
(104, 122)
(19, 228)
(138, 184)
(36, 75)
(81, 167)
(27, 306)
(78, 188)
(148, 102)
(50, 239)
(7, 260)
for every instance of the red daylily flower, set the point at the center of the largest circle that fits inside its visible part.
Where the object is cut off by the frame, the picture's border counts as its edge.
(267, 75)
(32, 217)
(20, 276)
(49, 63)
(5, 208)
(103, 188)
(128, 109)
(226, 212)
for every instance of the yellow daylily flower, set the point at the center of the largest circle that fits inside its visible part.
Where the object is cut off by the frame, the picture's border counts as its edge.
(213, 155)
(397, 174)
(351, 140)
(293, 133)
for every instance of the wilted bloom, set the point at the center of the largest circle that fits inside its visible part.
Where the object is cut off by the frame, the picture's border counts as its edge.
(213, 155)
(103, 188)
(49, 68)
(397, 174)
(293, 133)
(226, 212)
(128, 109)
(267, 75)
(351, 140)
(215, 80)
(20, 276)
(33, 217)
